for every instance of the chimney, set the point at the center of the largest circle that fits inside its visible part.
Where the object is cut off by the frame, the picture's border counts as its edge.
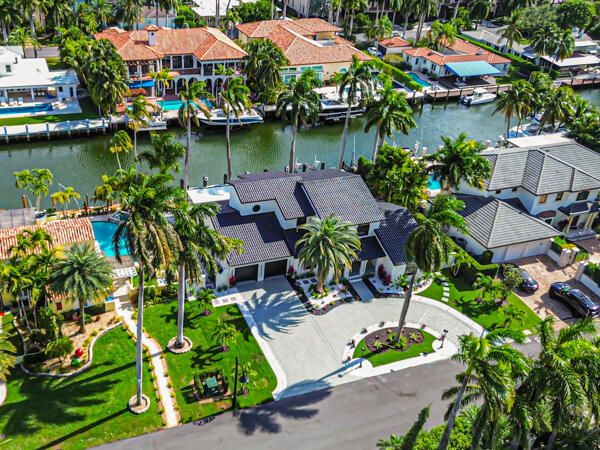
(205, 181)
(151, 29)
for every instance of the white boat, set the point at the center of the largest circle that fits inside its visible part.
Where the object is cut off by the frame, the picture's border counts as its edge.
(219, 119)
(479, 96)
(332, 109)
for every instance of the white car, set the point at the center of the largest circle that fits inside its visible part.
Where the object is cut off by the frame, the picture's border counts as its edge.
(373, 51)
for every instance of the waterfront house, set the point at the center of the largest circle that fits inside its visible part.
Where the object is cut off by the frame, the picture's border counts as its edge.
(207, 9)
(461, 60)
(190, 54)
(307, 44)
(264, 210)
(393, 46)
(28, 87)
(148, 16)
(534, 193)
(65, 233)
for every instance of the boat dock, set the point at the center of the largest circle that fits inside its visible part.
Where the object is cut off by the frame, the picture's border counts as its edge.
(50, 129)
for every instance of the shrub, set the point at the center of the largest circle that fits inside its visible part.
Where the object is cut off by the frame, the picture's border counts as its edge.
(470, 273)
(486, 257)
(397, 74)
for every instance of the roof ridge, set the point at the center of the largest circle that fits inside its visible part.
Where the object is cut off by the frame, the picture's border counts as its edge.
(556, 158)
(518, 211)
(497, 201)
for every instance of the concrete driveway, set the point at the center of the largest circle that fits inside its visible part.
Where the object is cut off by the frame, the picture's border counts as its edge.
(546, 271)
(310, 348)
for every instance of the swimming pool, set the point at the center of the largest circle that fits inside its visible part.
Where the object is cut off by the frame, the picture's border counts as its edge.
(43, 107)
(417, 80)
(104, 232)
(434, 185)
(174, 105)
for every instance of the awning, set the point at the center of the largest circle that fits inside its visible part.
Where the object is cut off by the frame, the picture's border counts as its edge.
(472, 68)
(142, 84)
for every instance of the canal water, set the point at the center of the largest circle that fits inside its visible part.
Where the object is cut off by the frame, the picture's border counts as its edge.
(80, 162)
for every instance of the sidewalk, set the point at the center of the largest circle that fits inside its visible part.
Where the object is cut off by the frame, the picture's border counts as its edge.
(125, 310)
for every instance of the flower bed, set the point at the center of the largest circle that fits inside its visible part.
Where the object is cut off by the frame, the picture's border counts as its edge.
(315, 303)
(382, 285)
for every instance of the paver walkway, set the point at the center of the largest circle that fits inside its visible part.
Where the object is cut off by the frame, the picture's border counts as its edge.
(125, 310)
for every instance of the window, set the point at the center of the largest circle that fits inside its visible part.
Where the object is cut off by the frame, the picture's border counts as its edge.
(208, 69)
(498, 191)
(256, 208)
(60, 89)
(132, 70)
(583, 195)
(188, 61)
(559, 196)
(543, 198)
(166, 63)
(515, 189)
(8, 68)
(177, 62)
(363, 229)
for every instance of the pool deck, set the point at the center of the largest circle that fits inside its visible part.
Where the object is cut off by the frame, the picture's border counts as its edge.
(58, 107)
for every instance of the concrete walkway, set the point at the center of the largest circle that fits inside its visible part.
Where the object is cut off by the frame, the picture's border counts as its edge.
(125, 310)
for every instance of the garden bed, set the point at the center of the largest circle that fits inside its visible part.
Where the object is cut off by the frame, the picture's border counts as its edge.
(380, 348)
(319, 306)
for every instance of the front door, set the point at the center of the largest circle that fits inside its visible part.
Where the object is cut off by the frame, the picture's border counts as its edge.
(355, 268)
(575, 222)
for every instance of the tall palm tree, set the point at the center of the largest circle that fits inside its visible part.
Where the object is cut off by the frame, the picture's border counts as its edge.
(235, 99)
(103, 10)
(357, 86)
(107, 191)
(390, 113)
(460, 161)
(262, 65)
(120, 143)
(10, 15)
(139, 116)
(558, 106)
(512, 32)
(355, 6)
(166, 5)
(381, 29)
(565, 44)
(301, 104)
(166, 155)
(442, 34)
(489, 373)
(7, 359)
(163, 79)
(150, 238)
(191, 99)
(23, 38)
(328, 245)
(82, 275)
(129, 12)
(423, 8)
(480, 10)
(201, 245)
(65, 197)
(514, 101)
(428, 246)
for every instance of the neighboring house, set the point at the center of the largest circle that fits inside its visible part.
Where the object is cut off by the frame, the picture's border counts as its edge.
(307, 44)
(207, 9)
(11, 218)
(264, 210)
(461, 59)
(30, 80)
(532, 192)
(492, 38)
(577, 61)
(65, 233)
(394, 45)
(148, 14)
(190, 54)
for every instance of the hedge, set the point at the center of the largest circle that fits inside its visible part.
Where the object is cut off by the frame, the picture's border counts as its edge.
(470, 273)
(517, 61)
(397, 74)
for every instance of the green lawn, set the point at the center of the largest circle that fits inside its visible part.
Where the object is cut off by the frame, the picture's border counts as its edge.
(488, 315)
(88, 111)
(161, 322)
(81, 411)
(379, 359)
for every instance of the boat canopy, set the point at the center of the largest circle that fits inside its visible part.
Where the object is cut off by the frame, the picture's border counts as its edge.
(472, 68)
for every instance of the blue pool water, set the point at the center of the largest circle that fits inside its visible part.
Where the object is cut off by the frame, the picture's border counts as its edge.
(174, 105)
(417, 80)
(434, 184)
(26, 109)
(104, 232)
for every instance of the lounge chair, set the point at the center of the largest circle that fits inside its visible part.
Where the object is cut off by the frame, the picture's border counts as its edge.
(11, 102)
(20, 101)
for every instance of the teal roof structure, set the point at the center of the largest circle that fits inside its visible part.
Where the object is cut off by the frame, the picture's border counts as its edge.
(472, 68)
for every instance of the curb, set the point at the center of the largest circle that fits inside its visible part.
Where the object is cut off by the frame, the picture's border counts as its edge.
(82, 368)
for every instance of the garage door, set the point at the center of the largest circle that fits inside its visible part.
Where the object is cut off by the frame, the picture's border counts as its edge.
(275, 268)
(246, 273)
(528, 249)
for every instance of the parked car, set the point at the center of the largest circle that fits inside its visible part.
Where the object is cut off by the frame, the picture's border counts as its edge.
(576, 299)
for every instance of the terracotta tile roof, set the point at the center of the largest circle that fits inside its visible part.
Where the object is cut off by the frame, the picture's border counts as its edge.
(63, 232)
(207, 44)
(395, 42)
(304, 27)
(467, 52)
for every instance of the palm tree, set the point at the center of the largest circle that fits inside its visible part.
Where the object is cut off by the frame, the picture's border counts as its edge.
(514, 101)
(513, 314)
(353, 6)
(262, 66)
(565, 44)
(302, 104)
(82, 275)
(328, 246)
(7, 359)
(390, 113)
(480, 10)
(428, 246)
(235, 99)
(442, 34)
(423, 8)
(166, 5)
(191, 99)
(107, 191)
(459, 161)
(36, 181)
(381, 29)
(225, 333)
(163, 77)
(204, 299)
(461, 259)
(558, 106)
(64, 198)
(128, 11)
(24, 38)
(488, 373)
(545, 40)
(512, 31)
(139, 117)
(167, 153)
(486, 284)
(150, 238)
(103, 10)
(357, 85)
(10, 15)
(120, 142)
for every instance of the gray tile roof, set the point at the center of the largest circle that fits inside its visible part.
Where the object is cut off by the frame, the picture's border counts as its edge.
(346, 196)
(580, 208)
(544, 170)
(394, 230)
(261, 233)
(494, 223)
(370, 249)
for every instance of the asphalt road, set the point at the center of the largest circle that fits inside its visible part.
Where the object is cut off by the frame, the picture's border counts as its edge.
(351, 416)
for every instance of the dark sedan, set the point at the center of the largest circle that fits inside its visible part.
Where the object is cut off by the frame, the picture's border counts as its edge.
(575, 299)
(529, 284)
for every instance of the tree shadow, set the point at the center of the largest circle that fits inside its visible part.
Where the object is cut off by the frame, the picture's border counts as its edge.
(264, 418)
(276, 312)
(206, 357)
(471, 308)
